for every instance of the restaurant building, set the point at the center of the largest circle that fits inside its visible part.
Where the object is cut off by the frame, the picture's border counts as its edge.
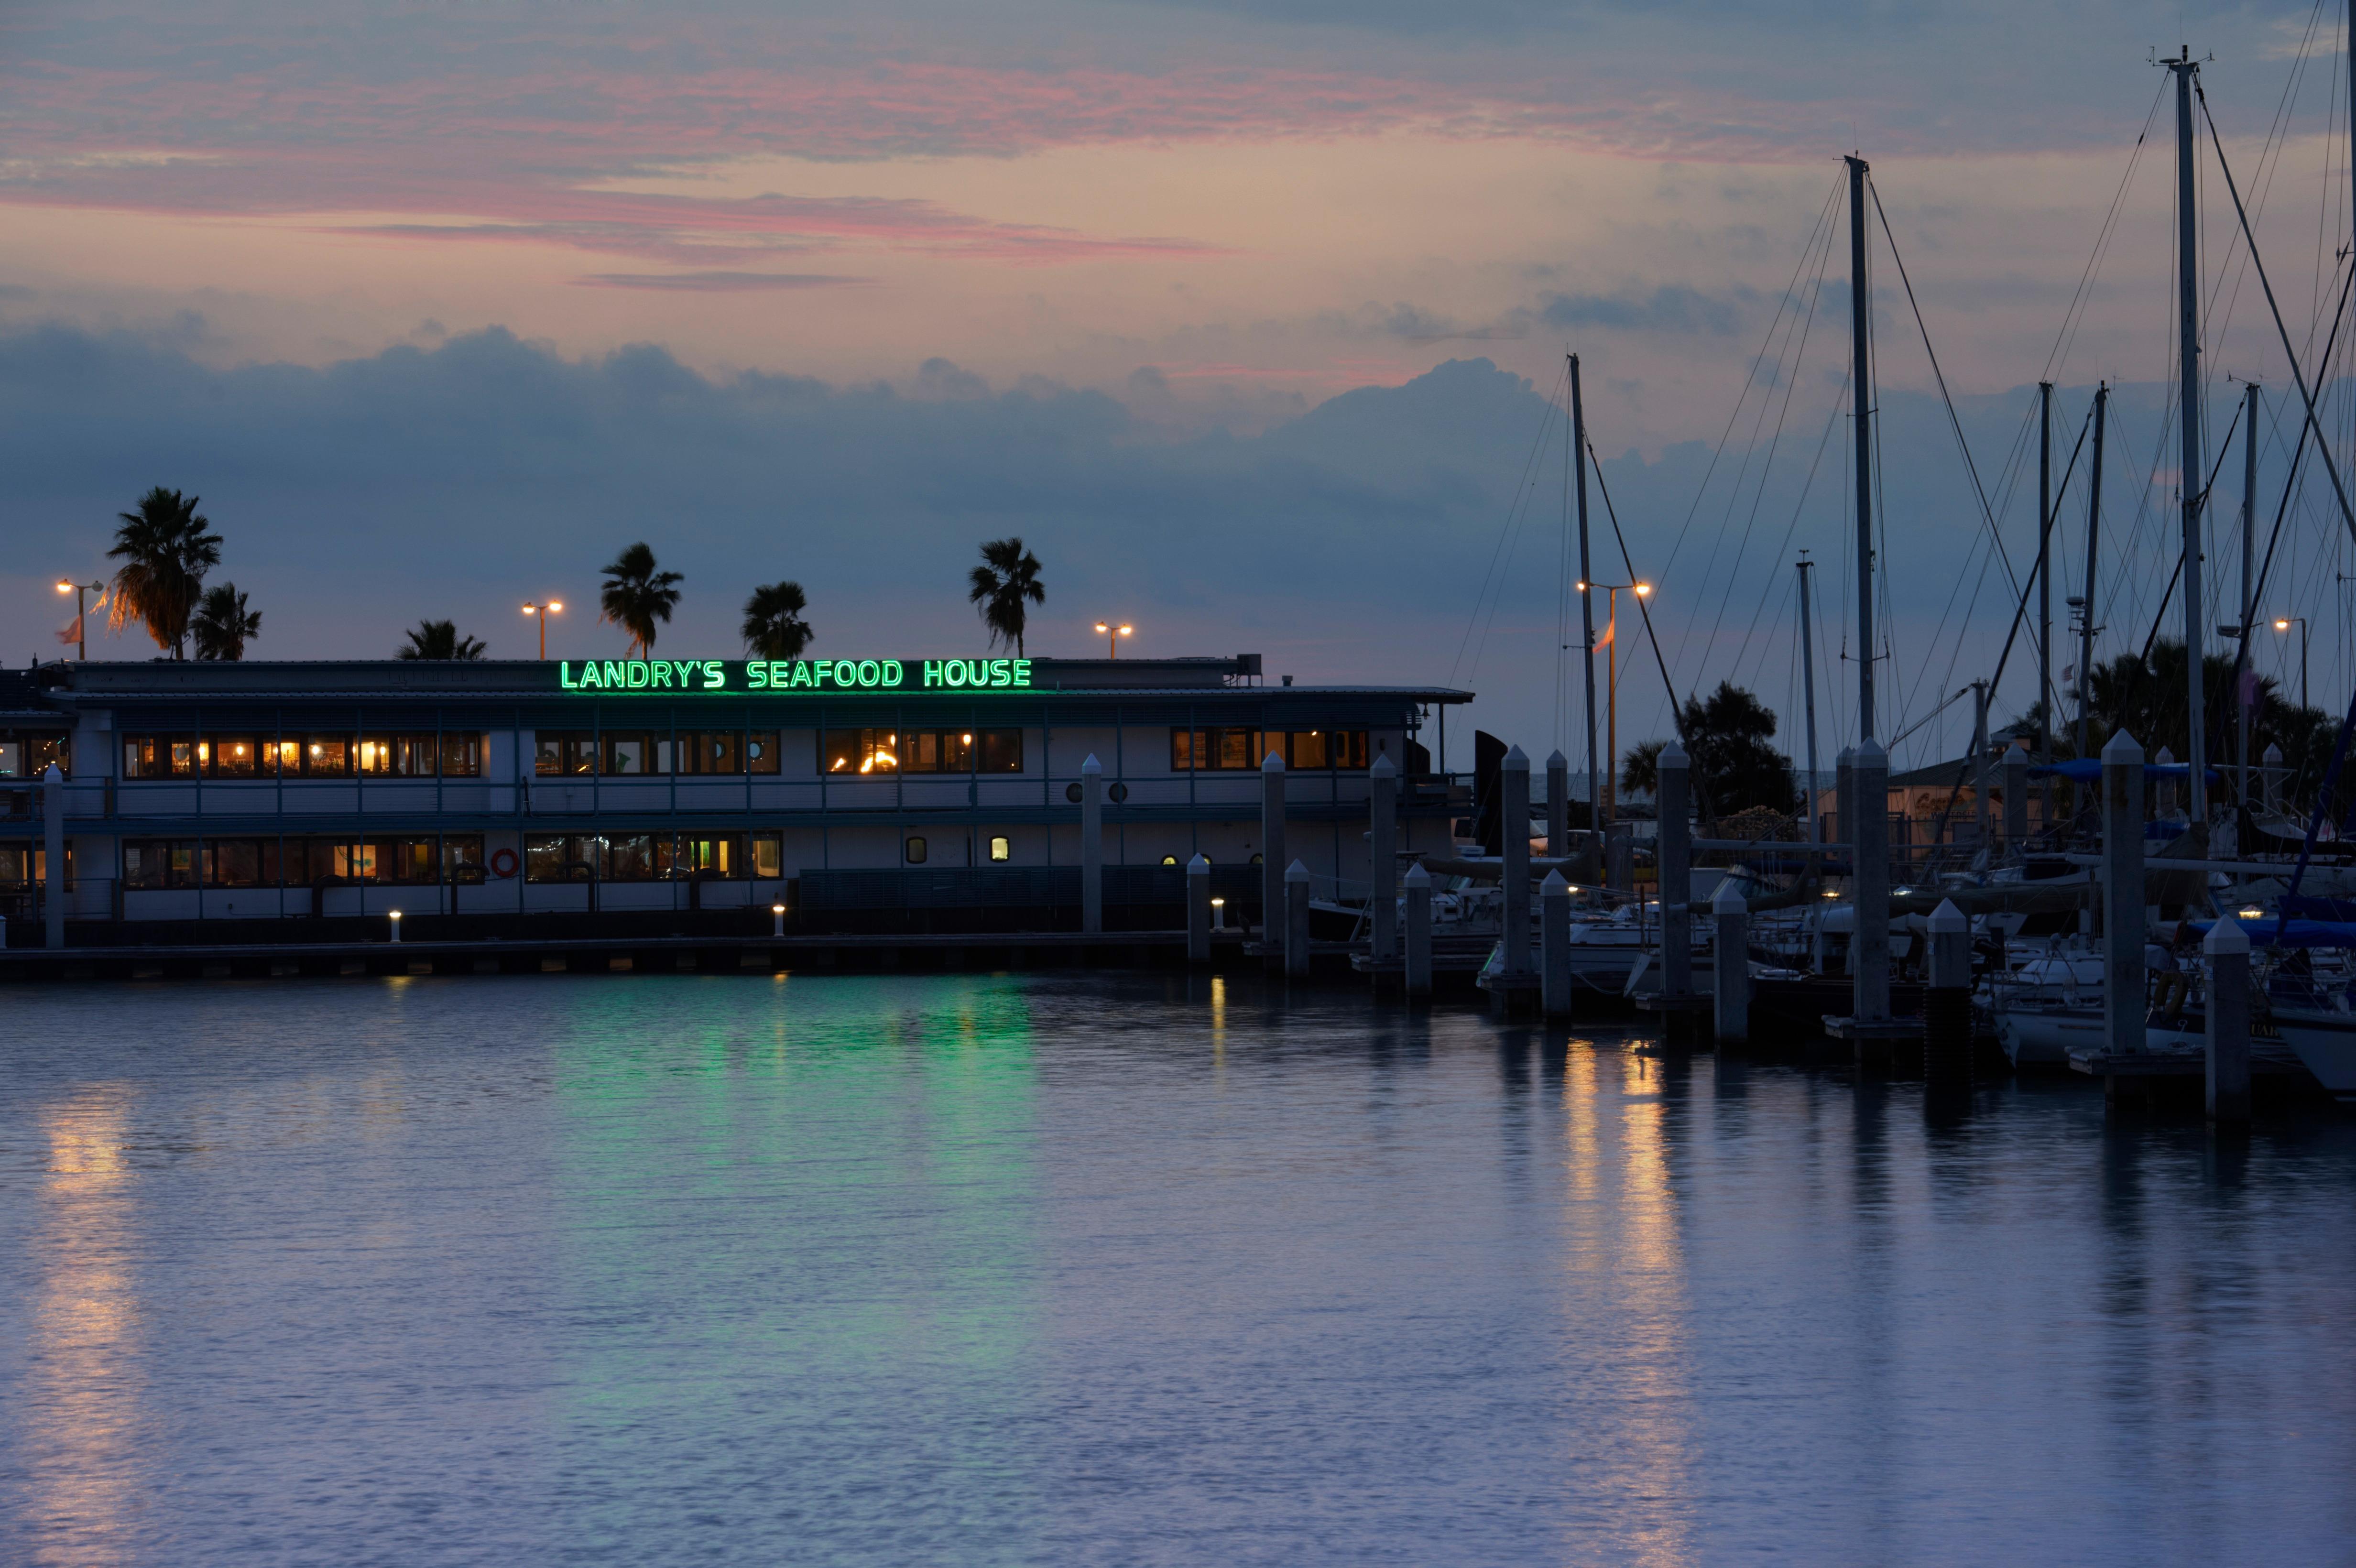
(941, 793)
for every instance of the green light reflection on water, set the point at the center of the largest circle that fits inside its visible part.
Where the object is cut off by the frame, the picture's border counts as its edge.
(796, 1209)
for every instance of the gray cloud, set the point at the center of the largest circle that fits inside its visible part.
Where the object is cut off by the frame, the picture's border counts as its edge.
(1351, 541)
(1672, 308)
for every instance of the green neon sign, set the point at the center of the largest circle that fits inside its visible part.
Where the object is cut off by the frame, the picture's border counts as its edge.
(791, 677)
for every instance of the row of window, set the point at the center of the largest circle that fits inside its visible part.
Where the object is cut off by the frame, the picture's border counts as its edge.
(1194, 750)
(299, 862)
(924, 752)
(557, 753)
(27, 754)
(455, 755)
(638, 753)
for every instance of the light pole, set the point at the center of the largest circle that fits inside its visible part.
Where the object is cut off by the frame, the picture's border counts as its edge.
(2284, 624)
(1611, 687)
(541, 613)
(81, 613)
(1112, 636)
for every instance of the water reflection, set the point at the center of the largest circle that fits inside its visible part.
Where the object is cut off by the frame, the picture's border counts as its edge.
(79, 1432)
(703, 1268)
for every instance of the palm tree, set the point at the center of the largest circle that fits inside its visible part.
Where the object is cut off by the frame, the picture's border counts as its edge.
(774, 627)
(166, 548)
(1009, 575)
(222, 625)
(439, 640)
(636, 595)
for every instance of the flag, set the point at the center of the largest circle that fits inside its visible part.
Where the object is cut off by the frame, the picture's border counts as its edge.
(70, 633)
(2249, 687)
(1610, 629)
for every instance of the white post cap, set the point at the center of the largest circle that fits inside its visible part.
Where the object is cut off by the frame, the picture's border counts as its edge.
(1199, 866)
(1417, 876)
(1869, 754)
(1296, 872)
(2121, 750)
(1518, 760)
(1557, 762)
(1674, 756)
(1847, 753)
(1728, 899)
(1554, 887)
(1271, 763)
(53, 774)
(1948, 918)
(1092, 765)
(2273, 758)
(2165, 758)
(2226, 937)
(1383, 768)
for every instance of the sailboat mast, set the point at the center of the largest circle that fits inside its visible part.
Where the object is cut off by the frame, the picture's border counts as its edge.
(2249, 592)
(1861, 308)
(1870, 840)
(2188, 375)
(2045, 569)
(1808, 686)
(1586, 590)
(2094, 538)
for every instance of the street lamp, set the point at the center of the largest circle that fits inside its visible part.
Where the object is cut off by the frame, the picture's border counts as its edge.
(2284, 624)
(1611, 687)
(81, 613)
(542, 612)
(1112, 636)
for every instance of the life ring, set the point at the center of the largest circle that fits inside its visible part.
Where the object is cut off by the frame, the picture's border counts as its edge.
(503, 863)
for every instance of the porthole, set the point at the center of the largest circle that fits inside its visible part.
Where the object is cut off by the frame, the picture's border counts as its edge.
(916, 851)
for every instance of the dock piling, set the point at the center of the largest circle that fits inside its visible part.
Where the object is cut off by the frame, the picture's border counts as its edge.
(1558, 776)
(1296, 921)
(1092, 846)
(1272, 861)
(1514, 814)
(1553, 943)
(1731, 958)
(1674, 859)
(1417, 885)
(2227, 947)
(1198, 910)
(1382, 856)
(1947, 998)
(1869, 855)
(2016, 796)
(53, 846)
(2123, 906)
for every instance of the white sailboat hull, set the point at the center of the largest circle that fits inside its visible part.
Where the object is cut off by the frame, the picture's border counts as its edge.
(2326, 1044)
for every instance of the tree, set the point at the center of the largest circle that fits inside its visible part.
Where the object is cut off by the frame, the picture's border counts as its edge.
(439, 640)
(222, 626)
(636, 595)
(2145, 696)
(1007, 576)
(166, 546)
(774, 627)
(1734, 768)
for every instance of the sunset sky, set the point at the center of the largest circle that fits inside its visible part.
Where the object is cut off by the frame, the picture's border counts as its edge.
(1246, 314)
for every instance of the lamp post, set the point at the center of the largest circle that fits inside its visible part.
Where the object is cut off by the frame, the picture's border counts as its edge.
(1612, 690)
(2284, 624)
(541, 613)
(1112, 636)
(81, 613)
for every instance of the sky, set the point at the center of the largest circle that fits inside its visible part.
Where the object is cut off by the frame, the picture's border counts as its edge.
(1248, 316)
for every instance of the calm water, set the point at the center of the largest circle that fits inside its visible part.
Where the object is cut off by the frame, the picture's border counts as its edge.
(992, 1270)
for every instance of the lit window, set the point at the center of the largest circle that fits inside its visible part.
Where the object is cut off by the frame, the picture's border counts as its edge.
(916, 851)
(1000, 849)
(1169, 860)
